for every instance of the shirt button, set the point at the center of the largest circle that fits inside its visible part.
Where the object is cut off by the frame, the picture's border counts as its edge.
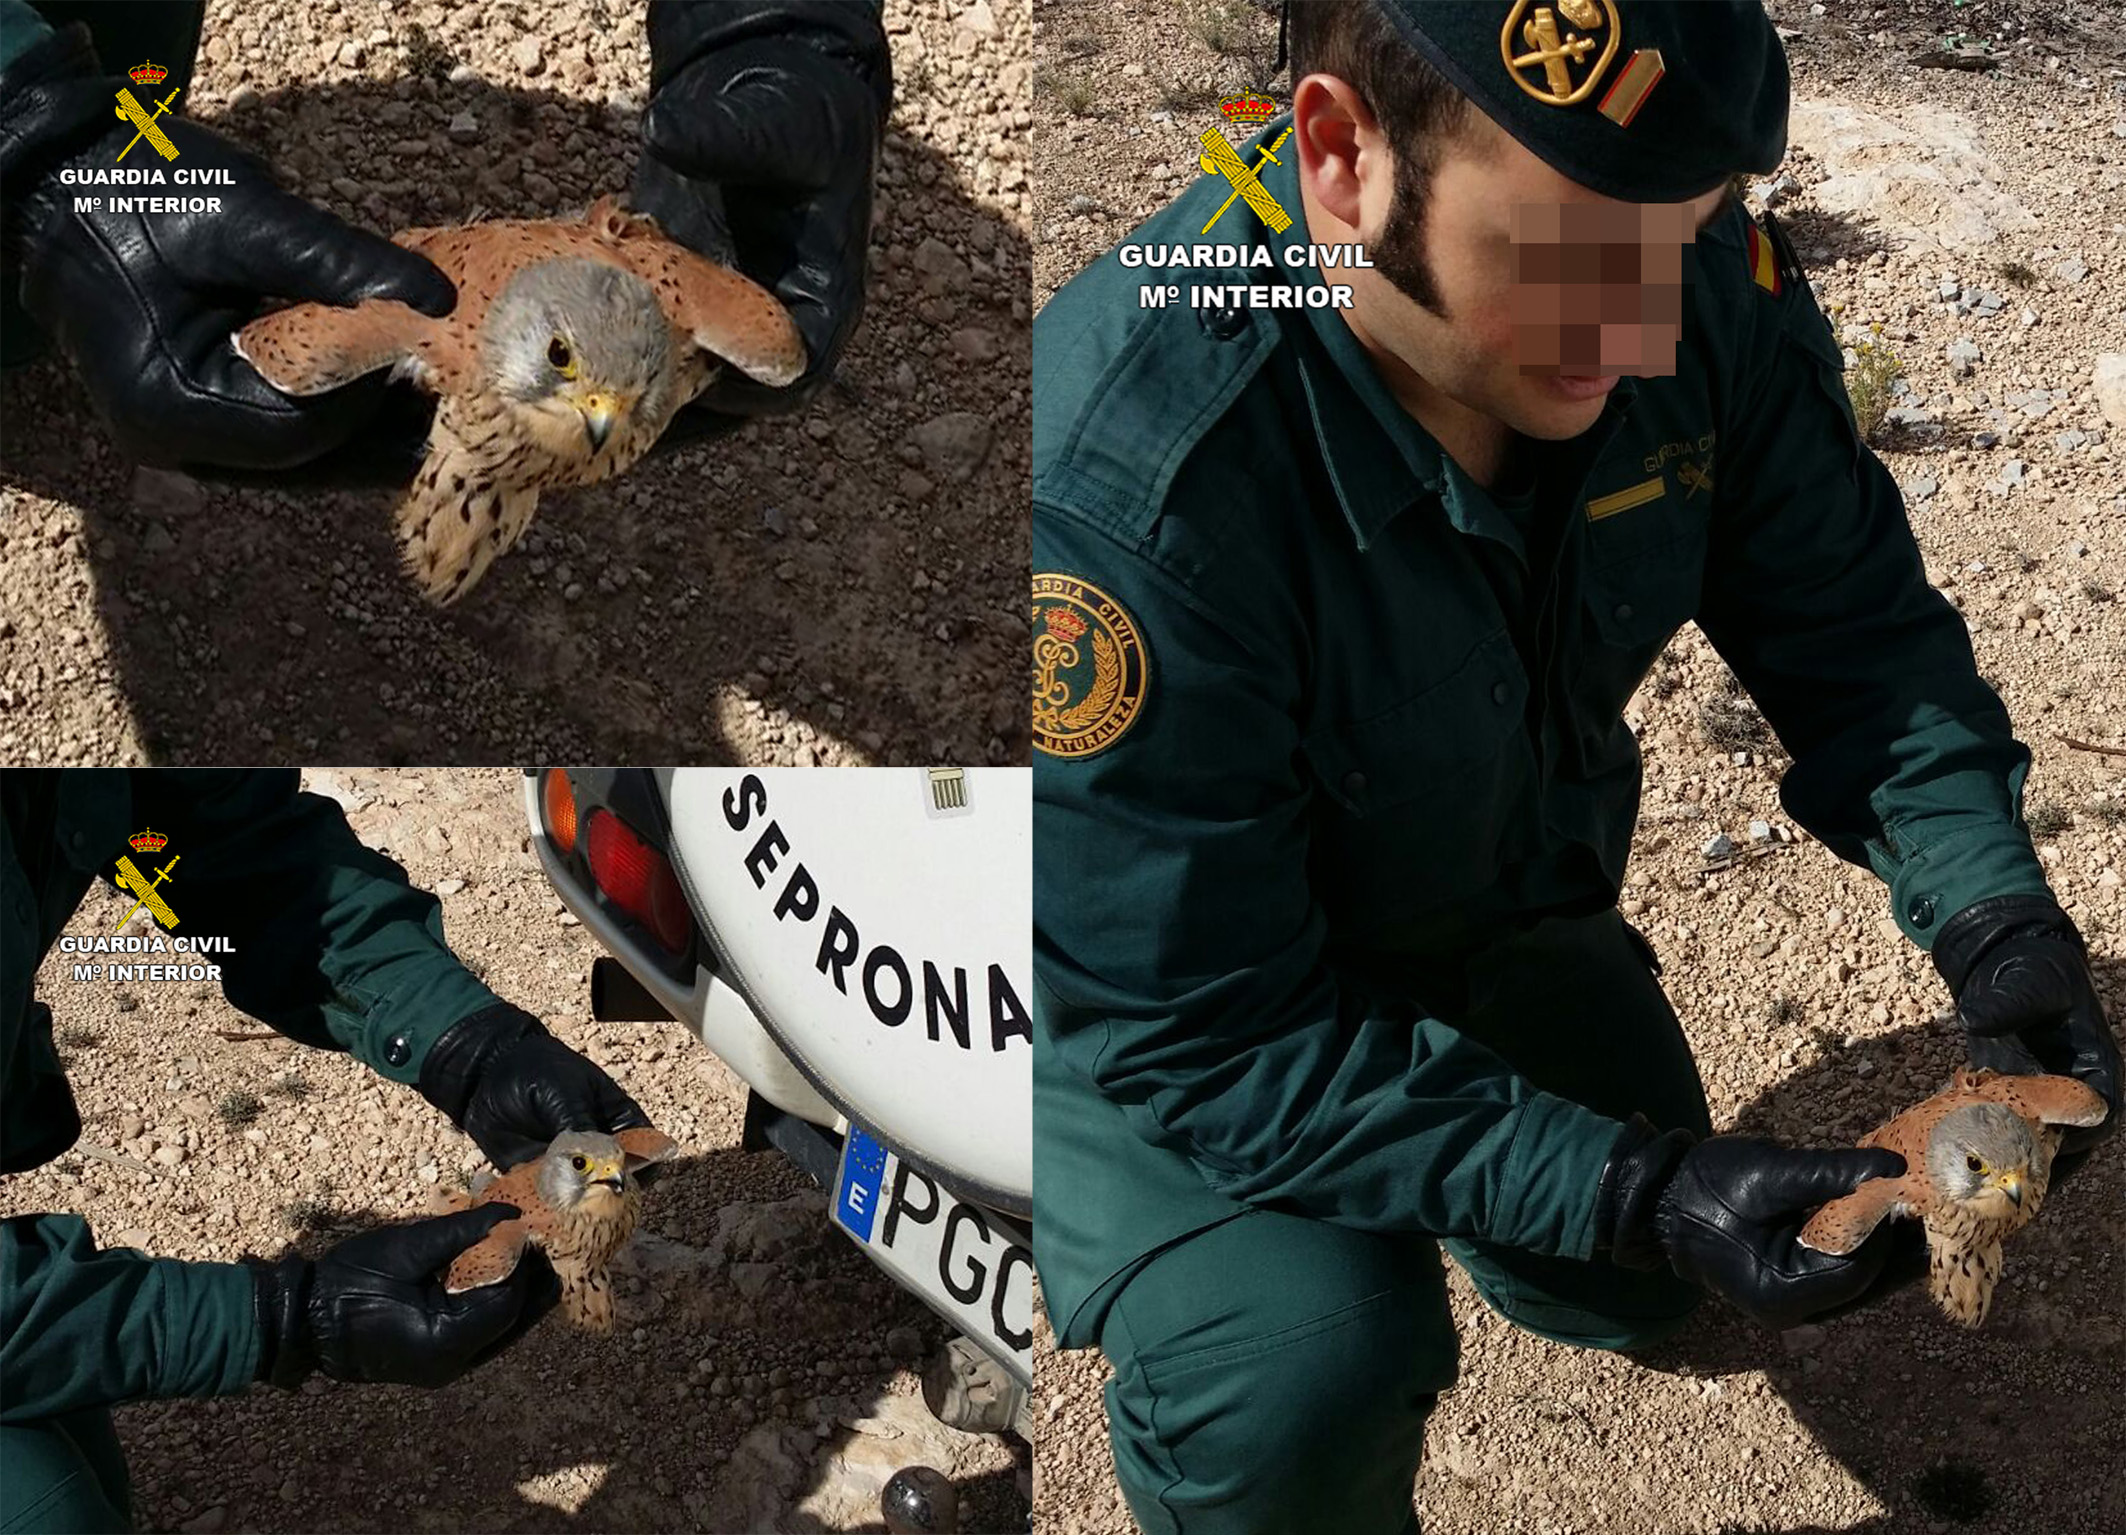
(1624, 612)
(1225, 324)
(398, 1050)
(1354, 784)
(1500, 693)
(1921, 911)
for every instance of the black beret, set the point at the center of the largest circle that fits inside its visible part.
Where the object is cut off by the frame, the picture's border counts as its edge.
(1646, 101)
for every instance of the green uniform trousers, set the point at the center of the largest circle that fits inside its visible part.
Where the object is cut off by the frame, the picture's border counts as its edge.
(1273, 1372)
(64, 1476)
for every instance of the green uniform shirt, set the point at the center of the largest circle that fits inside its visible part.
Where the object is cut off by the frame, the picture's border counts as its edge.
(1331, 716)
(331, 946)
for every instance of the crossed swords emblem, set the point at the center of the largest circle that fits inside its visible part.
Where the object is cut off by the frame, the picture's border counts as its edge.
(136, 114)
(1219, 158)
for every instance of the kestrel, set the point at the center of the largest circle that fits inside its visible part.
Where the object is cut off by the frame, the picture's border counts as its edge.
(580, 1202)
(1978, 1157)
(572, 345)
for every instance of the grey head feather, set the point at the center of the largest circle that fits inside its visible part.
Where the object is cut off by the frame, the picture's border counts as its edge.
(1994, 1133)
(616, 333)
(561, 1184)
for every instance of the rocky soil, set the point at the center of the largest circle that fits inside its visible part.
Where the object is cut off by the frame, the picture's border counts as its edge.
(1978, 218)
(839, 585)
(764, 1373)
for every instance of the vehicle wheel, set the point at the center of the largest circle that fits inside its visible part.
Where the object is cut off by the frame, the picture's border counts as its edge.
(966, 1389)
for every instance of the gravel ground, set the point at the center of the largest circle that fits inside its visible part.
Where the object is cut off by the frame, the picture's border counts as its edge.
(840, 585)
(1813, 1020)
(768, 1367)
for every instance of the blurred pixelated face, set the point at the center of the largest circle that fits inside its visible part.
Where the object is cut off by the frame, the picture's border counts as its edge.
(1544, 292)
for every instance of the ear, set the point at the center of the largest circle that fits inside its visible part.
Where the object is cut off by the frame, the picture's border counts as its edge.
(1340, 149)
(643, 1146)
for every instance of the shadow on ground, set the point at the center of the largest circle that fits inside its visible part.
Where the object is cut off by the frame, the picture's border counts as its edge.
(814, 588)
(1941, 1424)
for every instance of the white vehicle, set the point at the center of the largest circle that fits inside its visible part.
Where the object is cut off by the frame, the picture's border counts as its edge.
(857, 946)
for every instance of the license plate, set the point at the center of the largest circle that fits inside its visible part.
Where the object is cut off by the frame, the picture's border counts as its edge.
(961, 1258)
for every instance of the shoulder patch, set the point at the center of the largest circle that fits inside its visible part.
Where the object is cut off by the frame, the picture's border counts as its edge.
(1763, 261)
(1090, 667)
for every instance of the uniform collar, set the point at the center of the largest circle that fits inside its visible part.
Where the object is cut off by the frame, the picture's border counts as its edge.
(1380, 460)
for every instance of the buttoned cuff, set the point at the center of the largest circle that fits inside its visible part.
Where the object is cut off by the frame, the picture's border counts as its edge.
(1552, 1179)
(1939, 880)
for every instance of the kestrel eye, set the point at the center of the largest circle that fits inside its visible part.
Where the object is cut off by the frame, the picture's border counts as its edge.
(579, 1164)
(558, 354)
(1974, 1164)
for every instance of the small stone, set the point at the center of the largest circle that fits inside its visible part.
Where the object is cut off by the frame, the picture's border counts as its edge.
(527, 56)
(2012, 472)
(2029, 318)
(2111, 388)
(169, 1156)
(1985, 439)
(2073, 269)
(427, 1172)
(1863, 1068)
(1719, 846)
(2068, 441)
(2030, 612)
(1922, 488)
(449, 886)
(775, 520)
(464, 129)
(1805, 1339)
(1964, 355)
(1760, 831)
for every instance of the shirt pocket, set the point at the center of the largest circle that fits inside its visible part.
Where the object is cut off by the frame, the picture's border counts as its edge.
(1420, 803)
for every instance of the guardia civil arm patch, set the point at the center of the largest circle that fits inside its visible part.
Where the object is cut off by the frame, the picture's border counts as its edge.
(1090, 669)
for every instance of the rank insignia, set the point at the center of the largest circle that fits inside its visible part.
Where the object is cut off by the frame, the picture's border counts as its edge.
(1559, 53)
(1090, 669)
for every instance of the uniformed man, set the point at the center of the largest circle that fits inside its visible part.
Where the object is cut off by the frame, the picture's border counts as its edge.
(332, 947)
(1336, 614)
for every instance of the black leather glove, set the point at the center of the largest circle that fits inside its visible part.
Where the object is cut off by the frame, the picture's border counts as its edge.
(2019, 971)
(513, 1087)
(374, 1307)
(143, 304)
(1727, 1214)
(760, 150)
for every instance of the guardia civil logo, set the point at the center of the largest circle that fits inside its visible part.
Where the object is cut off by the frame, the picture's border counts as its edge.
(1090, 669)
(147, 841)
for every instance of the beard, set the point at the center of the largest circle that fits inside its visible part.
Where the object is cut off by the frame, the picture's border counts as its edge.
(1399, 255)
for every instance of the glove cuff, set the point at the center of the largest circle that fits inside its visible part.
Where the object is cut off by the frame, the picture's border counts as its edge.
(1965, 937)
(1628, 1198)
(450, 1072)
(51, 100)
(281, 1294)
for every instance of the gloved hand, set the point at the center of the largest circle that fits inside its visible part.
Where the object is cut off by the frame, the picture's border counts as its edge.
(374, 1307)
(2019, 971)
(1727, 1213)
(760, 149)
(143, 304)
(513, 1087)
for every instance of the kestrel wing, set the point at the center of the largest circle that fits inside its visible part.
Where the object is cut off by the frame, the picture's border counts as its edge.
(727, 315)
(490, 1260)
(311, 348)
(2048, 1100)
(1843, 1224)
(644, 1146)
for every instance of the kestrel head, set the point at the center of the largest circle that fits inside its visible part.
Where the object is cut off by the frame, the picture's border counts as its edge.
(1981, 1156)
(576, 347)
(582, 1165)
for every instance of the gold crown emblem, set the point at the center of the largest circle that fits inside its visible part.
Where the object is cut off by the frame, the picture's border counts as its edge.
(148, 841)
(1066, 625)
(1247, 109)
(148, 74)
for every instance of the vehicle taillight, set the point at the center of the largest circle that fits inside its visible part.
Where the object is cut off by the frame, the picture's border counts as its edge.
(560, 803)
(635, 878)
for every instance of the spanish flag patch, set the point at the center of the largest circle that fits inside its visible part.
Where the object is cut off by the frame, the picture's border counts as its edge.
(1764, 263)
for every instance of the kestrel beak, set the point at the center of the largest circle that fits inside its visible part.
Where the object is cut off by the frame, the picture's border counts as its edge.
(609, 1176)
(2011, 1184)
(600, 411)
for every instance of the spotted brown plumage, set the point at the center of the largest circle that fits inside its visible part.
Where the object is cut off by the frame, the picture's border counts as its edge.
(572, 345)
(580, 1202)
(1978, 1161)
